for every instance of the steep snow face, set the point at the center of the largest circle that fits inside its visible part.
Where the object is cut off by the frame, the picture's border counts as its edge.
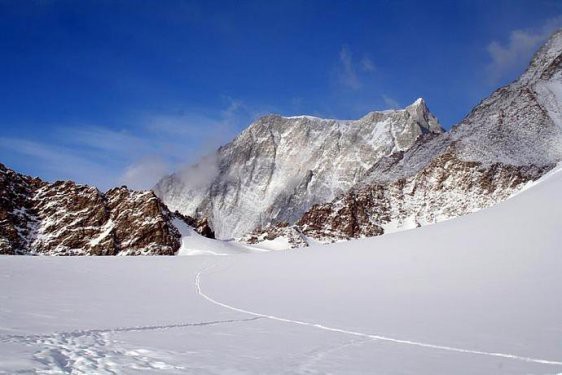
(193, 243)
(519, 124)
(280, 166)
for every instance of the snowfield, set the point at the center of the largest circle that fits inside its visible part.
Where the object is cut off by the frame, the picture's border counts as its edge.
(480, 294)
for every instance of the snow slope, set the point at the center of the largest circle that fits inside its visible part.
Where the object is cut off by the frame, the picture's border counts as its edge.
(473, 295)
(192, 243)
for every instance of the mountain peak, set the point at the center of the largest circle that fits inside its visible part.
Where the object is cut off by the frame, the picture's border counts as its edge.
(418, 103)
(553, 46)
(546, 60)
(428, 121)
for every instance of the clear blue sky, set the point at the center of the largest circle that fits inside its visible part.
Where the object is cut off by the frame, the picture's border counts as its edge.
(112, 92)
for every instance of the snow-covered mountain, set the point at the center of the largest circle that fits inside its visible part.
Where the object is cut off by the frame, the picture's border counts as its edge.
(64, 218)
(301, 180)
(280, 166)
(512, 137)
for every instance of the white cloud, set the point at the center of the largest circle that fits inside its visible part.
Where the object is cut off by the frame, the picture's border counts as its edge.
(173, 141)
(144, 173)
(202, 173)
(139, 156)
(348, 74)
(506, 58)
(352, 73)
(57, 162)
(390, 103)
(98, 141)
(367, 64)
(189, 136)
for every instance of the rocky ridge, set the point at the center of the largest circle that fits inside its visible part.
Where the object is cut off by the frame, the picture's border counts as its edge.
(65, 218)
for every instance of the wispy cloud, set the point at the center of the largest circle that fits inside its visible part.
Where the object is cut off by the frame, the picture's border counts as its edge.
(348, 75)
(367, 64)
(390, 102)
(135, 156)
(144, 173)
(352, 73)
(505, 58)
(59, 162)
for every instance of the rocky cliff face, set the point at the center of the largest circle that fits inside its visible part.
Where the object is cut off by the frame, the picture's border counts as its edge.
(446, 188)
(64, 218)
(509, 139)
(280, 166)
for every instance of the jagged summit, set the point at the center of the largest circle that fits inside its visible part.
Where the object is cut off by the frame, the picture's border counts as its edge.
(418, 101)
(419, 109)
(546, 60)
(417, 104)
(520, 123)
(280, 166)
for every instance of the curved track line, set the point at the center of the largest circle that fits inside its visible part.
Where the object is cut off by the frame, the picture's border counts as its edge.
(371, 336)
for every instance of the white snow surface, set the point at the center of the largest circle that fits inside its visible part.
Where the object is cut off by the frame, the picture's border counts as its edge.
(192, 243)
(478, 294)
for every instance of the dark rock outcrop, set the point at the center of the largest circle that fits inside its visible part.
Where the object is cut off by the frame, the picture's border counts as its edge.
(65, 218)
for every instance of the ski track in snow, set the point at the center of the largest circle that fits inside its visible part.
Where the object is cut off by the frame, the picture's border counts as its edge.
(96, 351)
(367, 335)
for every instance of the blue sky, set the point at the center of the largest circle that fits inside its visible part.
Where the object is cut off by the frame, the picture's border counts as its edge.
(121, 92)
